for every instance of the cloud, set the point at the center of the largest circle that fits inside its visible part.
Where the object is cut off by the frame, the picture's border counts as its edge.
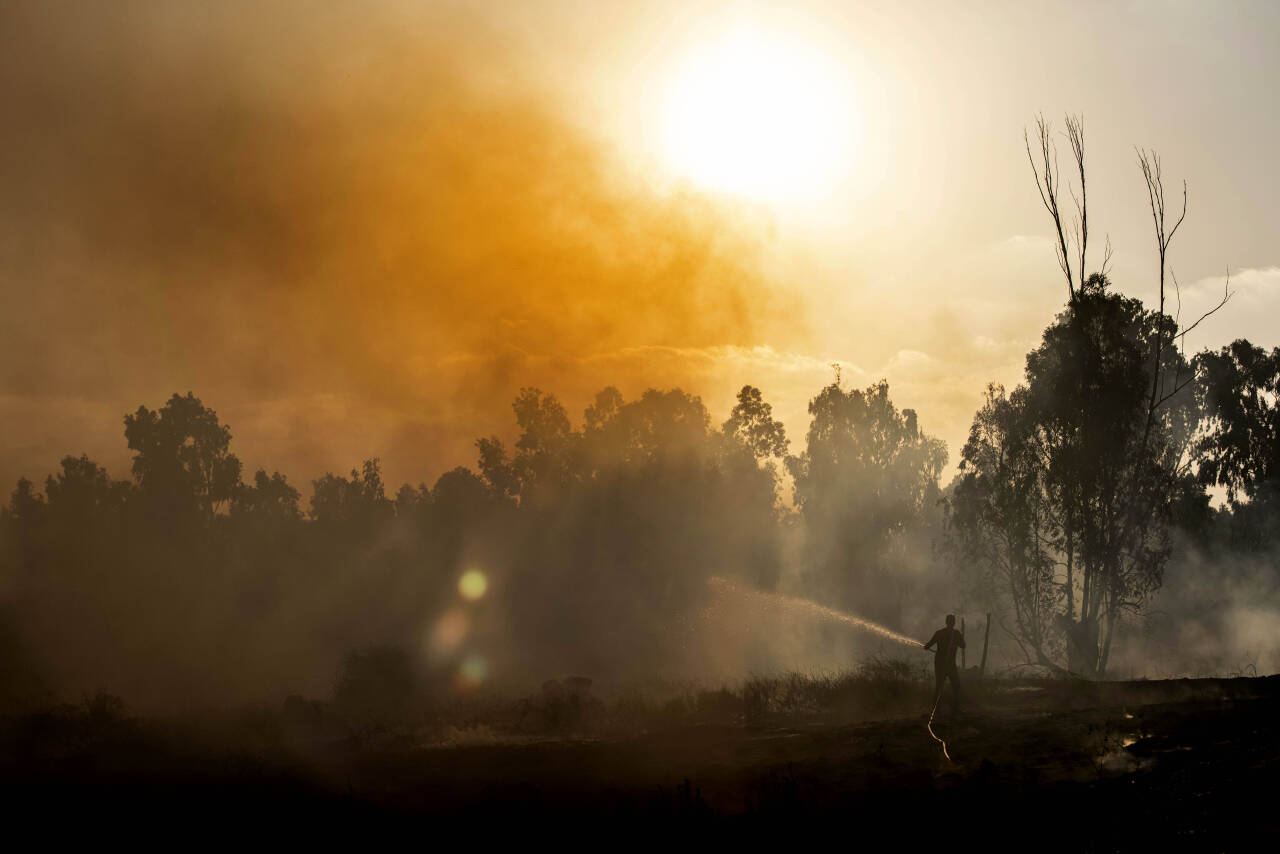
(1249, 283)
(1255, 301)
(908, 359)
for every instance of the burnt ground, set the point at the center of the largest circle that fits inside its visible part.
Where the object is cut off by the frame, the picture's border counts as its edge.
(1095, 766)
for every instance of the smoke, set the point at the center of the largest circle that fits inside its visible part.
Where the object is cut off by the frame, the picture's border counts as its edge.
(354, 231)
(1215, 615)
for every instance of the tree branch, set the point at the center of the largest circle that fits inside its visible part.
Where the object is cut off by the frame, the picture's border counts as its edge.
(1227, 294)
(1048, 185)
(1075, 135)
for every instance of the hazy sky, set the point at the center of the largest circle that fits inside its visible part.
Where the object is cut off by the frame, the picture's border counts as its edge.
(358, 230)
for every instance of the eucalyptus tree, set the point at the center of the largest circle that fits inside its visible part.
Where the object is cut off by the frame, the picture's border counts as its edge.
(866, 485)
(1238, 387)
(1000, 523)
(182, 456)
(1097, 443)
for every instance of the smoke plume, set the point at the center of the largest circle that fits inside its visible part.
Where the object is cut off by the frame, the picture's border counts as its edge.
(354, 232)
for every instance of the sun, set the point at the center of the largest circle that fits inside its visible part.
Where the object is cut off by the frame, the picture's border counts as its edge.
(760, 115)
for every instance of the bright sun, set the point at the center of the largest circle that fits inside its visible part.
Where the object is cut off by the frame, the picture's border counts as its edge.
(757, 115)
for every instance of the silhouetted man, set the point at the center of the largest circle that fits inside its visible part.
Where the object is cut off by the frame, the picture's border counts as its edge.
(947, 640)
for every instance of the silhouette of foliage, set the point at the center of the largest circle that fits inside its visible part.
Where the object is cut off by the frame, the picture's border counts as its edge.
(1239, 388)
(182, 458)
(597, 539)
(866, 486)
(268, 498)
(752, 423)
(361, 501)
(621, 522)
(1099, 472)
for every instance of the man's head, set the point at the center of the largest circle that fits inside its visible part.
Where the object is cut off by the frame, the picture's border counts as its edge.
(951, 621)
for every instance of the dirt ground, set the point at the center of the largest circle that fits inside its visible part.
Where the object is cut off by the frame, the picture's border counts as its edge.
(1089, 766)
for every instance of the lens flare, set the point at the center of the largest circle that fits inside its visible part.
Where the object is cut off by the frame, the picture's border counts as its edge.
(449, 631)
(474, 670)
(472, 585)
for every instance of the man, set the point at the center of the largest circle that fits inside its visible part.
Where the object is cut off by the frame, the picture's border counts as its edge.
(947, 640)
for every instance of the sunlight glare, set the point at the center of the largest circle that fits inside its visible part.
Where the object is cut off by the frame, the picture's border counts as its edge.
(758, 115)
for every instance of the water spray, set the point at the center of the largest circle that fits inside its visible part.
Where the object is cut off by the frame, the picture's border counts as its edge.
(794, 604)
(805, 606)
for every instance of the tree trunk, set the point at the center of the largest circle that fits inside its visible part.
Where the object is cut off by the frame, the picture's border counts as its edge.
(1082, 648)
(1071, 579)
(986, 639)
(1105, 653)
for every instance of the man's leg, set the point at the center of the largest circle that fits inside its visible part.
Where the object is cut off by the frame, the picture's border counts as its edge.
(938, 677)
(955, 691)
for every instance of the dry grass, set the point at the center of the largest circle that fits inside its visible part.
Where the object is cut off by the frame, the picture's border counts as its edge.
(878, 688)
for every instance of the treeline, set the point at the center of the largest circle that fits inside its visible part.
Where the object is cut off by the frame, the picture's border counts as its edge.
(595, 542)
(1080, 517)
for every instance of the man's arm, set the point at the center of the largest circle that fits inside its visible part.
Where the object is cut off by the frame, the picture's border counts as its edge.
(960, 637)
(933, 640)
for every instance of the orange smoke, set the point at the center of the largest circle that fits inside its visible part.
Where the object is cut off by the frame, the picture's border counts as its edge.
(352, 235)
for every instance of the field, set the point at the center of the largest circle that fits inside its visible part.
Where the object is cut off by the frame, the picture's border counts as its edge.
(1081, 766)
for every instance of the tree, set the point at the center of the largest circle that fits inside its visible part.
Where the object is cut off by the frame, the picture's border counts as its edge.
(867, 479)
(458, 494)
(1099, 473)
(83, 491)
(543, 465)
(182, 457)
(619, 523)
(413, 502)
(752, 424)
(999, 522)
(1106, 418)
(26, 506)
(361, 501)
(25, 516)
(661, 431)
(1239, 389)
(269, 498)
(86, 511)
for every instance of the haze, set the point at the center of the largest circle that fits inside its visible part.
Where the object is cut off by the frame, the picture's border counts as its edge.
(358, 233)
(574, 417)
